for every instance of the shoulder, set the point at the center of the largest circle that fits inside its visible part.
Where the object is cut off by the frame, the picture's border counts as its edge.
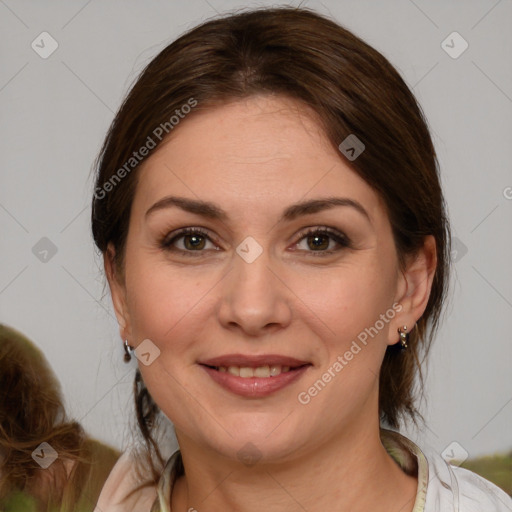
(123, 490)
(461, 489)
(443, 486)
(477, 493)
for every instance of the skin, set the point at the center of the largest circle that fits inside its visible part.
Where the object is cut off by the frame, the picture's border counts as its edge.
(253, 158)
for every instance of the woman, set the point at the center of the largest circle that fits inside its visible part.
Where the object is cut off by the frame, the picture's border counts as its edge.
(274, 234)
(46, 462)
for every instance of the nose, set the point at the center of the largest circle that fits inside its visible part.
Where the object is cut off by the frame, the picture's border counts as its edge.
(255, 299)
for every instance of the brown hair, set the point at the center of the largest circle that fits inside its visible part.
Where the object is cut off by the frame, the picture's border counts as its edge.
(32, 412)
(354, 90)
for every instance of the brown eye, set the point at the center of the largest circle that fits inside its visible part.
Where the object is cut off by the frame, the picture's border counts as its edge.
(187, 241)
(318, 241)
(193, 242)
(323, 241)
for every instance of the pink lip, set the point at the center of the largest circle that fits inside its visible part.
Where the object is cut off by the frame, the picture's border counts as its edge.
(253, 361)
(254, 387)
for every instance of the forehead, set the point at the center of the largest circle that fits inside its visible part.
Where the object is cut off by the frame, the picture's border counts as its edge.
(251, 150)
(252, 130)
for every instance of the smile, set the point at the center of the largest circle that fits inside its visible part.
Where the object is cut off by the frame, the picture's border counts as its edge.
(260, 371)
(255, 382)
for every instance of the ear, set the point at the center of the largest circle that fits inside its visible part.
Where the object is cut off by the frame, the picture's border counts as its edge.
(117, 292)
(413, 290)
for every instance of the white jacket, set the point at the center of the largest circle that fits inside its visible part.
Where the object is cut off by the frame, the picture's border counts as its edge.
(455, 489)
(442, 487)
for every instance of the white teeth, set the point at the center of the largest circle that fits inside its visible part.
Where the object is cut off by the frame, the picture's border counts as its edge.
(234, 370)
(246, 372)
(261, 371)
(275, 370)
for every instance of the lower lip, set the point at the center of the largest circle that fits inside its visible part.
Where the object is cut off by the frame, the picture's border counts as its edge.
(255, 387)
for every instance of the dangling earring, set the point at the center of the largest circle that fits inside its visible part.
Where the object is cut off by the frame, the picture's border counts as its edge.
(127, 352)
(404, 337)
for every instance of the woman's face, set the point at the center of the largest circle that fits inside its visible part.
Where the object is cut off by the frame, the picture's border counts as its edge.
(248, 285)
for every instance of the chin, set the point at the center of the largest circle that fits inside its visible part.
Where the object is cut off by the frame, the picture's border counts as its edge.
(267, 440)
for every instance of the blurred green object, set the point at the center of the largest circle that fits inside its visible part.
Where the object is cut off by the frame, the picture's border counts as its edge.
(495, 468)
(31, 412)
(18, 502)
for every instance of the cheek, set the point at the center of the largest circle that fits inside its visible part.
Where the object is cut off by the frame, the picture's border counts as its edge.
(348, 307)
(153, 299)
(168, 306)
(348, 300)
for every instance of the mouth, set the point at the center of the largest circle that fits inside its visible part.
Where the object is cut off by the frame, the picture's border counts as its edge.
(254, 376)
(264, 371)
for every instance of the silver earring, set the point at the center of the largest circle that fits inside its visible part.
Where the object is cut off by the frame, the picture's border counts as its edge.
(404, 337)
(127, 352)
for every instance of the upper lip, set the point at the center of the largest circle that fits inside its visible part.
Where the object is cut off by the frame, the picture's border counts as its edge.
(253, 361)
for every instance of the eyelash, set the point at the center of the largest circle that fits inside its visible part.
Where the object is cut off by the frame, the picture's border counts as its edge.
(342, 240)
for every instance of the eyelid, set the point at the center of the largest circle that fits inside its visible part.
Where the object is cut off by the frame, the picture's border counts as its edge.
(321, 229)
(338, 236)
(167, 240)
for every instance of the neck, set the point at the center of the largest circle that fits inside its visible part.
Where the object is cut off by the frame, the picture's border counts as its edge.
(352, 472)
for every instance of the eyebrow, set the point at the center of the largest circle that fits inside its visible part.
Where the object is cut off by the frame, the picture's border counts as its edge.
(213, 211)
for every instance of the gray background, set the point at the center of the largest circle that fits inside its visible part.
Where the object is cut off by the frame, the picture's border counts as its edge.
(55, 113)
